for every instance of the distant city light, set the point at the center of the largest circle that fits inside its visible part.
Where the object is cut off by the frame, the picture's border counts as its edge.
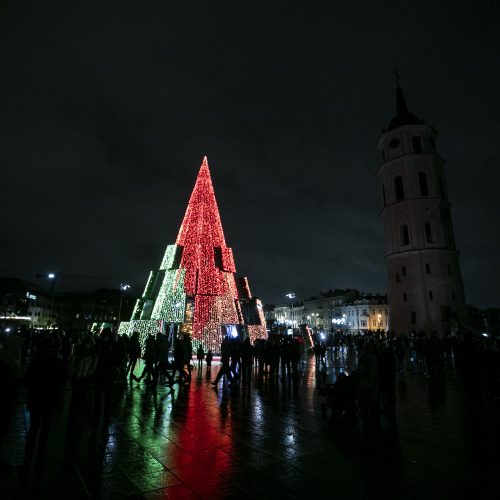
(51, 276)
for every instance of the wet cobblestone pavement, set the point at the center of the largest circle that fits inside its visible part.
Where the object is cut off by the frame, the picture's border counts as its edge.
(272, 441)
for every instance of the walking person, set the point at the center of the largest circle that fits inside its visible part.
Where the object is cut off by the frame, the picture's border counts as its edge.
(104, 375)
(149, 361)
(43, 379)
(178, 360)
(82, 368)
(208, 359)
(134, 352)
(225, 369)
(246, 362)
(162, 361)
(10, 374)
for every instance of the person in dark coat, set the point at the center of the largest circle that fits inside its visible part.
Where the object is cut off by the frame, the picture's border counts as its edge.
(43, 379)
(225, 369)
(134, 352)
(82, 368)
(150, 357)
(209, 358)
(162, 347)
(10, 372)
(179, 359)
(246, 353)
(200, 356)
(105, 374)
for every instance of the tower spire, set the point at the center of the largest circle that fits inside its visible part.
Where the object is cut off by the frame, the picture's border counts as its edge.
(396, 74)
(401, 107)
(403, 116)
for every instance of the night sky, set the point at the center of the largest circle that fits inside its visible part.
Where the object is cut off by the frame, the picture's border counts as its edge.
(107, 109)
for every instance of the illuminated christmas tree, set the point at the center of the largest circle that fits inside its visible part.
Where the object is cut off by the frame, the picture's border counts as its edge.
(195, 287)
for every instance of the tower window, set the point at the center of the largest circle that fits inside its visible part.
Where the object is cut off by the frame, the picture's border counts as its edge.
(428, 268)
(422, 180)
(453, 295)
(405, 297)
(405, 235)
(413, 317)
(383, 194)
(449, 269)
(403, 270)
(430, 296)
(428, 232)
(417, 144)
(399, 188)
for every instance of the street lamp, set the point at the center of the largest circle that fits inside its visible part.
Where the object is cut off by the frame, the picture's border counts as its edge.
(123, 288)
(52, 278)
(291, 296)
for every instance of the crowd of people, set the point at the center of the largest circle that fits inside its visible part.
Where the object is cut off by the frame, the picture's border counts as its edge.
(370, 388)
(47, 363)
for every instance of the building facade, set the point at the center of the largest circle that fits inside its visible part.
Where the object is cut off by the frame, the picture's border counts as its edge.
(425, 288)
(25, 304)
(349, 311)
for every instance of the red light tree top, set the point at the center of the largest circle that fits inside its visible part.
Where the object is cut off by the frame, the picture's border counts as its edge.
(201, 224)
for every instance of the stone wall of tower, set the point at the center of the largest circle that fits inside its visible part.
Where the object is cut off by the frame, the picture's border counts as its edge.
(425, 289)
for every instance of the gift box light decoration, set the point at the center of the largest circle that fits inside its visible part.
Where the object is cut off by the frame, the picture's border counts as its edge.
(200, 269)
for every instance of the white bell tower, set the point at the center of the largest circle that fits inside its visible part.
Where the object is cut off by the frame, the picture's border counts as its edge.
(425, 288)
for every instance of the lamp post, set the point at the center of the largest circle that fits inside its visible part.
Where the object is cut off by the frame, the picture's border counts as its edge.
(123, 288)
(52, 278)
(291, 296)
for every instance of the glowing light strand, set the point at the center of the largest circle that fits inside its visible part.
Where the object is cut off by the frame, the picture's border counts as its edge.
(201, 267)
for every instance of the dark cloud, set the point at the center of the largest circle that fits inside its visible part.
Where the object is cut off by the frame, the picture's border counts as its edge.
(107, 108)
